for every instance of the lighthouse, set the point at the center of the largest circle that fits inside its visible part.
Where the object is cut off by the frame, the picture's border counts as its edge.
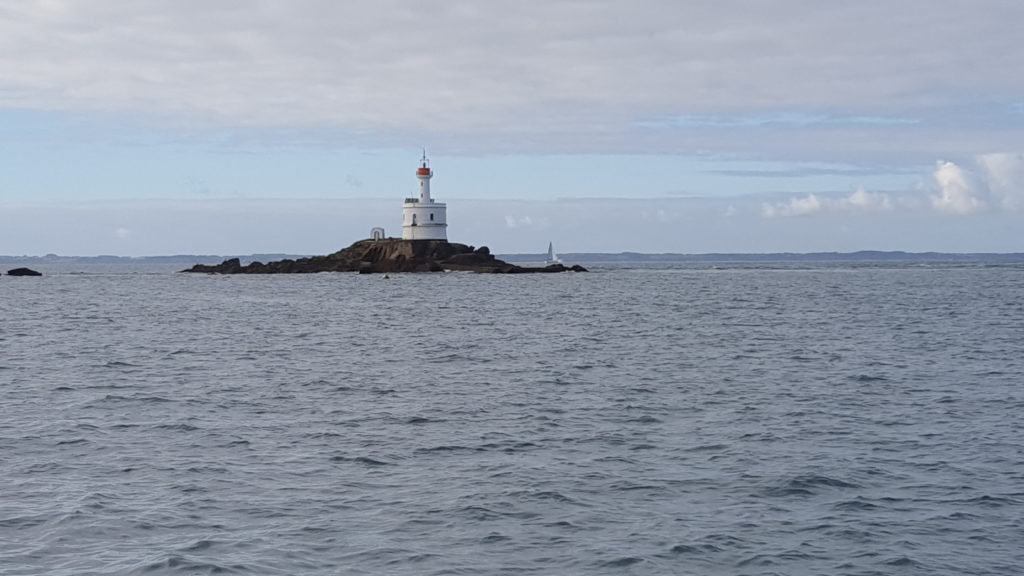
(422, 218)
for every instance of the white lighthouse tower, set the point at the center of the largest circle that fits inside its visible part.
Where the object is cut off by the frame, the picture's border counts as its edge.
(422, 218)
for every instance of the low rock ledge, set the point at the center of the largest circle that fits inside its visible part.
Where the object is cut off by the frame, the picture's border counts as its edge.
(23, 272)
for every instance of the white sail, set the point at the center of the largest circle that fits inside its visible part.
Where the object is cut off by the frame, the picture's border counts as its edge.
(552, 258)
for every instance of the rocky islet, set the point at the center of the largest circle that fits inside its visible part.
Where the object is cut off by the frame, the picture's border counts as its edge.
(387, 255)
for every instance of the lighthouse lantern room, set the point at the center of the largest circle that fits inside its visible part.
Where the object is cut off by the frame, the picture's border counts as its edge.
(422, 218)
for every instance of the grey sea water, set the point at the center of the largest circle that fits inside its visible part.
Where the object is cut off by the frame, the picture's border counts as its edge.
(820, 419)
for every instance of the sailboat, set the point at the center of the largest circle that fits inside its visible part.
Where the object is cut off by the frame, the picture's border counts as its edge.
(552, 258)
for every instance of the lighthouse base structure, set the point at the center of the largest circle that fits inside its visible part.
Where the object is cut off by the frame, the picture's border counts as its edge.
(424, 220)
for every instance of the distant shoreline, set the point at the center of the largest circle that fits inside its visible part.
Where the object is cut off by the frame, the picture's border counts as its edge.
(581, 257)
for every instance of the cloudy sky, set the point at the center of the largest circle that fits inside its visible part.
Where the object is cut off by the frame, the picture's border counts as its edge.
(148, 127)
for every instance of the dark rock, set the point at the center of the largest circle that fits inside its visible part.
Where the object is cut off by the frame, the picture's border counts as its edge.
(23, 272)
(512, 269)
(383, 256)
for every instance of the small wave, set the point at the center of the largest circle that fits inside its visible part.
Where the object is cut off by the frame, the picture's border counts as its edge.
(643, 447)
(760, 437)
(483, 513)
(73, 441)
(562, 524)
(708, 448)
(322, 435)
(854, 505)
(773, 559)
(239, 443)
(622, 562)
(447, 358)
(806, 485)
(444, 448)
(509, 447)
(959, 517)
(366, 460)
(902, 561)
(206, 470)
(629, 487)
(695, 549)
(991, 501)
(189, 488)
(182, 565)
(479, 513)
(22, 522)
(423, 420)
(178, 427)
(544, 495)
(757, 560)
(44, 468)
(645, 419)
(199, 545)
(120, 398)
(867, 378)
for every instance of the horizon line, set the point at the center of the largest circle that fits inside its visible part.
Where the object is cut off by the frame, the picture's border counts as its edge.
(626, 253)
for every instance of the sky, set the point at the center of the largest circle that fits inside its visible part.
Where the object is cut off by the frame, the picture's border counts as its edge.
(148, 127)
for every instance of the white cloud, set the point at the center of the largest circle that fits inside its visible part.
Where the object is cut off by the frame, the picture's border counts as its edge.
(520, 222)
(863, 200)
(1004, 175)
(659, 215)
(995, 183)
(959, 191)
(123, 233)
(809, 204)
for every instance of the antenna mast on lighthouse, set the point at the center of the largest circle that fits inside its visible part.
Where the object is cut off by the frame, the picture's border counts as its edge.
(424, 173)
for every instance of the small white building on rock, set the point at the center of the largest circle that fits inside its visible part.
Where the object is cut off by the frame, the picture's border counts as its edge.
(422, 218)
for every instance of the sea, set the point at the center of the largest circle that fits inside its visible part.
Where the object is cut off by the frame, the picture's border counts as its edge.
(841, 418)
